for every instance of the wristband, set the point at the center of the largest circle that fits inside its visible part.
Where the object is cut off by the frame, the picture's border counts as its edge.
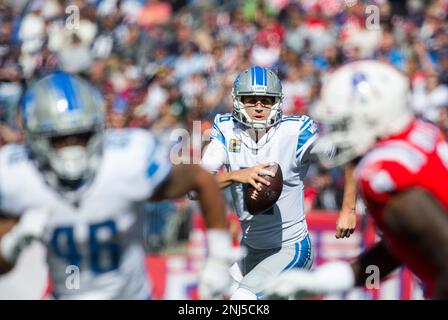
(219, 243)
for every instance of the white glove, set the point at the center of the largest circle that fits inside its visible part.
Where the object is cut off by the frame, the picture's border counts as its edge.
(215, 279)
(332, 277)
(31, 226)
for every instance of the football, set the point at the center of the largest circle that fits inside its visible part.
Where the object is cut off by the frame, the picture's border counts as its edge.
(259, 201)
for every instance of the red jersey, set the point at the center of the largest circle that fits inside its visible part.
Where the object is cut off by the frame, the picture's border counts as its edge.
(417, 157)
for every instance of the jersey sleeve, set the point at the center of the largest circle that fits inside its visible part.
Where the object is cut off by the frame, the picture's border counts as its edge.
(158, 165)
(12, 199)
(148, 164)
(379, 180)
(308, 135)
(215, 153)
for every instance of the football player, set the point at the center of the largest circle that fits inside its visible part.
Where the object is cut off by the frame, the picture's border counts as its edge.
(77, 188)
(401, 172)
(245, 142)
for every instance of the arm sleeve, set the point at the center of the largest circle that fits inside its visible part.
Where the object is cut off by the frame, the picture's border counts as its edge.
(308, 136)
(380, 180)
(154, 169)
(158, 165)
(215, 153)
(12, 199)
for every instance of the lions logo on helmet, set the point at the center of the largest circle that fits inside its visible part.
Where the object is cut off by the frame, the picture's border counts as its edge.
(257, 81)
(61, 105)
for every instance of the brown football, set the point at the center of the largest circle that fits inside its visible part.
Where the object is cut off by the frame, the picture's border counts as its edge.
(260, 201)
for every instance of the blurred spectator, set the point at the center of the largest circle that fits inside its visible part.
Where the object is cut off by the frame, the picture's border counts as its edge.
(155, 12)
(443, 58)
(133, 44)
(157, 94)
(190, 61)
(389, 52)
(327, 189)
(10, 84)
(104, 41)
(75, 56)
(32, 29)
(267, 42)
(430, 98)
(296, 90)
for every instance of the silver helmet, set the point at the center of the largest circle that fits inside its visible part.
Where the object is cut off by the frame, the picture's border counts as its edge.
(59, 106)
(257, 81)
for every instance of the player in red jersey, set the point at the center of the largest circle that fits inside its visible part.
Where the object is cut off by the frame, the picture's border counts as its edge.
(401, 172)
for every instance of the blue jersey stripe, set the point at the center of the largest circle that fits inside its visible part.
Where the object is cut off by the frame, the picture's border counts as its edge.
(152, 165)
(220, 136)
(301, 255)
(284, 120)
(296, 118)
(291, 118)
(294, 260)
(303, 138)
(305, 123)
(304, 253)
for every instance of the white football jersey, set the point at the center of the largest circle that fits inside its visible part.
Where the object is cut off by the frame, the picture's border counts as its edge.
(289, 144)
(101, 237)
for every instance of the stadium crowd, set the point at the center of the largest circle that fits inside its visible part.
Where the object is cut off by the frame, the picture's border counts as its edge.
(163, 64)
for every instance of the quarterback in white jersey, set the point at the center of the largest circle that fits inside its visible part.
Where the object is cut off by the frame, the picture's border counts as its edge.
(244, 142)
(289, 144)
(78, 188)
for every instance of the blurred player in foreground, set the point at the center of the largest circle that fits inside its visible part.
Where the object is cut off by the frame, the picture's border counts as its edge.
(245, 141)
(402, 174)
(77, 188)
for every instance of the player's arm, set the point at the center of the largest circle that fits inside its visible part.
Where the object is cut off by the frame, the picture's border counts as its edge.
(413, 216)
(335, 276)
(378, 256)
(215, 156)
(306, 143)
(184, 178)
(215, 278)
(17, 233)
(6, 224)
(346, 223)
(253, 175)
(417, 217)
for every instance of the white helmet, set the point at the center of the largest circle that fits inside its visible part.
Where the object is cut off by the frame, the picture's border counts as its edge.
(360, 102)
(257, 81)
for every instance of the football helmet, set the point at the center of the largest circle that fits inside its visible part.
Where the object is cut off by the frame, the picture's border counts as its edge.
(257, 81)
(61, 105)
(360, 103)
